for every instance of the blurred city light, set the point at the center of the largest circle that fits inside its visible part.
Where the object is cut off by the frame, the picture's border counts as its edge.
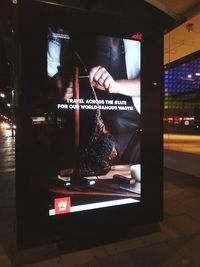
(5, 125)
(2, 95)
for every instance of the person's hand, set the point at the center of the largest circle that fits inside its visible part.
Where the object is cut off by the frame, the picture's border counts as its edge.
(100, 78)
(64, 92)
(68, 93)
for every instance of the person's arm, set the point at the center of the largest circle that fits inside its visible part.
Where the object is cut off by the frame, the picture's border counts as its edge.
(126, 87)
(101, 79)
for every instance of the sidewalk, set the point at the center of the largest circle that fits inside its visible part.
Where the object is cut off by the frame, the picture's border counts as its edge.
(176, 245)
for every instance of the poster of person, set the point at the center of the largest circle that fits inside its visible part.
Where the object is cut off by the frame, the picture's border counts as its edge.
(95, 86)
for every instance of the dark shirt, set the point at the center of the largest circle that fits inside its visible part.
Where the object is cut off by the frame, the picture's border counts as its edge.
(108, 52)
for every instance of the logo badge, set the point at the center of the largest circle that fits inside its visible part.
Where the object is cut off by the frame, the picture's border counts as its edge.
(62, 205)
(137, 36)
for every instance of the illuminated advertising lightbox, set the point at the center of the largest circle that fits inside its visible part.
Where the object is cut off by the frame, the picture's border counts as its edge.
(95, 154)
(89, 91)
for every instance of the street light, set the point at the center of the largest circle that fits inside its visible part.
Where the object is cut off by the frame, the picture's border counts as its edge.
(2, 95)
(8, 105)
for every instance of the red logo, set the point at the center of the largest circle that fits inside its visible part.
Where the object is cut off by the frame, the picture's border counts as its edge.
(62, 205)
(137, 36)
